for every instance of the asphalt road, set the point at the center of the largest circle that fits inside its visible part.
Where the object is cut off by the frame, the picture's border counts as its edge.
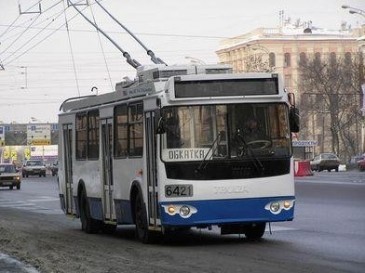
(327, 234)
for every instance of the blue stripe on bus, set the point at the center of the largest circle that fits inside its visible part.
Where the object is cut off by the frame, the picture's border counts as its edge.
(214, 212)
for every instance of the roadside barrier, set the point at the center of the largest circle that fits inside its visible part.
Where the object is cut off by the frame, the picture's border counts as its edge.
(302, 168)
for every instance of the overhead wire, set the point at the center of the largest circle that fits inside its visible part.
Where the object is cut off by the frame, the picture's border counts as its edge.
(71, 52)
(102, 50)
(26, 43)
(16, 19)
(39, 42)
(104, 56)
(22, 33)
(132, 62)
(150, 53)
(147, 33)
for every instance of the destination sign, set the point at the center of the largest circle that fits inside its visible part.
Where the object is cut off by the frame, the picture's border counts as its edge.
(227, 87)
(186, 154)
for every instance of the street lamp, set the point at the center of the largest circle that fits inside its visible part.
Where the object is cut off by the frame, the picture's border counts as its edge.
(354, 10)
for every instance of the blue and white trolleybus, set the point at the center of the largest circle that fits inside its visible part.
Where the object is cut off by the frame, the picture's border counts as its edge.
(180, 147)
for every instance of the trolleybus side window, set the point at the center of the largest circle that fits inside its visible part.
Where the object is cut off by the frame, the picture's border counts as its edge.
(135, 126)
(81, 135)
(121, 131)
(93, 135)
(87, 135)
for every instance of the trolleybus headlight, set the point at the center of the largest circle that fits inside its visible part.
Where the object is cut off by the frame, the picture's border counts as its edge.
(275, 206)
(184, 211)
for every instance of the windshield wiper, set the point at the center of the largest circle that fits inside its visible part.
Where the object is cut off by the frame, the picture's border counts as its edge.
(203, 164)
(255, 161)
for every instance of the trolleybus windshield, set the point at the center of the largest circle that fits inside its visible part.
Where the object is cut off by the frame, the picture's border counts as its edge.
(208, 132)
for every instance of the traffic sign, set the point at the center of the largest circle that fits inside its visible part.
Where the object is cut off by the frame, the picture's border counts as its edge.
(39, 134)
(27, 153)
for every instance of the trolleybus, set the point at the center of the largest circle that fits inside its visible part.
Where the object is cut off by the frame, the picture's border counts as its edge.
(180, 147)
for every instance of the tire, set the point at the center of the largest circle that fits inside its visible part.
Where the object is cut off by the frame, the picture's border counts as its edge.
(88, 224)
(255, 231)
(142, 232)
(108, 228)
(336, 169)
(18, 186)
(11, 187)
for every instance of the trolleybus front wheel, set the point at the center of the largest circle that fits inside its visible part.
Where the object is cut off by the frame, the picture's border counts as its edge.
(255, 231)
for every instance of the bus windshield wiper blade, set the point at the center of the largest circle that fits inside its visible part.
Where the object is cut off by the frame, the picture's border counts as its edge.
(204, 162)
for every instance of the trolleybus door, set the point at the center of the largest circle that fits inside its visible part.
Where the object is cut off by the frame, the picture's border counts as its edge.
(67, 165)
(107, 167)
(151, 169)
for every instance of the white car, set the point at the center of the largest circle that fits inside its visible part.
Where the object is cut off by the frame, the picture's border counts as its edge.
(325, 161)
(34, 167)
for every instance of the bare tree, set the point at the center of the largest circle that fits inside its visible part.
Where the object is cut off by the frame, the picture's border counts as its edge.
(331, 95)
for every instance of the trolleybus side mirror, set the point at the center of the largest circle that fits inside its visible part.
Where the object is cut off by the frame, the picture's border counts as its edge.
(293, 114)
(294, 119)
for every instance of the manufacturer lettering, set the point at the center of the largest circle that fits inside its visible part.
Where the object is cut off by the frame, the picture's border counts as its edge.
(230, 189)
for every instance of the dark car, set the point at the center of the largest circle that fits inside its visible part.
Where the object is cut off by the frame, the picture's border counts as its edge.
(325, 161)
(34, 167)
(361, 163)
(54, 168)
(9, 176)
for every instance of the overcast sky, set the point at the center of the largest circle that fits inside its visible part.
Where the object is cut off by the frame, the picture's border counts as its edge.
(35, 49)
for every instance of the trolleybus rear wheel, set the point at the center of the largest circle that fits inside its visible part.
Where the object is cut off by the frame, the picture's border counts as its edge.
(88, 224)
(108, 228)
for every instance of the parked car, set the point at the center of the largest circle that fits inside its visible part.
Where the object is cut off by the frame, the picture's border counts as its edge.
(9, 176)
(34, 167)
(54, 168)
(325, 161)
(352, 164)
(361, 164)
